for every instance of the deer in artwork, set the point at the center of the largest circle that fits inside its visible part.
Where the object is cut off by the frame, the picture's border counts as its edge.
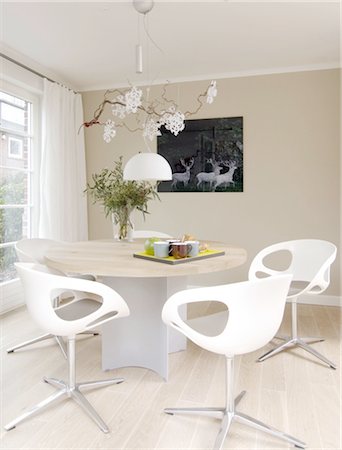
(183, 177)
(209, 177)
(226, 178)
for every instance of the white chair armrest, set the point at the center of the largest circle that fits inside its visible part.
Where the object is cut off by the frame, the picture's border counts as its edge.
(110, 300)
(171, 316)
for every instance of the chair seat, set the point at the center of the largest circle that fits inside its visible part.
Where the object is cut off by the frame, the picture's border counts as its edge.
(210, 325)
(78, 309)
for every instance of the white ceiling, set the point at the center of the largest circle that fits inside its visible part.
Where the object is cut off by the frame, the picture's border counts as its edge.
(91, 45)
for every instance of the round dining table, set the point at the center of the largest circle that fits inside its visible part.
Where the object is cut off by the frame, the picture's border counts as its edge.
(141, 339)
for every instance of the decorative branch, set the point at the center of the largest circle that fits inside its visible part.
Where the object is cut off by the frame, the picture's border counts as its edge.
(153, 114)
(191, 113)
(132, 130)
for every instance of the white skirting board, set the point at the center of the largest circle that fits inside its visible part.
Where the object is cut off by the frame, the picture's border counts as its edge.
(323, 300)
(12, 297)
(214, 324)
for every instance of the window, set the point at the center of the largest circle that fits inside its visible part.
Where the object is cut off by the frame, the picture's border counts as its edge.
(16, 144)
(15, 148)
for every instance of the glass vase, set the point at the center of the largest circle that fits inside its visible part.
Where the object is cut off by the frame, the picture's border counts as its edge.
(122, 224)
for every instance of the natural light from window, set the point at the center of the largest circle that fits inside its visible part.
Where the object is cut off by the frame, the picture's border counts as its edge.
(15, 178)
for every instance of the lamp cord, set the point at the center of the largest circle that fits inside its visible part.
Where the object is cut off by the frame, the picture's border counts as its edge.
(149, 36)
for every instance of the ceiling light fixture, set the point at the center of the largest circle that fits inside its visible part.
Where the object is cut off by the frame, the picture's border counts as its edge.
(147, 166)
(149, 115)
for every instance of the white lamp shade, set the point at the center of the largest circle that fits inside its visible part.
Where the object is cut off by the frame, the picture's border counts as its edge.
(147, 167)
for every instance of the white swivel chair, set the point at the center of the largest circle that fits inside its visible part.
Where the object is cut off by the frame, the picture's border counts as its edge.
(255, 313)
(147, 234)
(33, 251)
(39, 286)
(310, 265)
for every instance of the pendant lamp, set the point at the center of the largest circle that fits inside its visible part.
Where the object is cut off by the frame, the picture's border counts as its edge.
(147, 166)
(150, 114)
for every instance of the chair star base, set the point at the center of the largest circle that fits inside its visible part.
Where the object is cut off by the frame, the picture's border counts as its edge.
(228, 417)
(91, 333)
(29, 342)
(44, 337)
(303, 343)
(228, 414)
(70, 389)
(74, 394)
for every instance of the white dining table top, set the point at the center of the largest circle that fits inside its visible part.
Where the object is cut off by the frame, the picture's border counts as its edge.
(115, 259)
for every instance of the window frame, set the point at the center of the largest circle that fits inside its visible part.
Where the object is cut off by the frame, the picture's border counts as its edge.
(11, 290)
(21, 148)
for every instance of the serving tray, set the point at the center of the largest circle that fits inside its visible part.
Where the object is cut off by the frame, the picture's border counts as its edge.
(172, 260)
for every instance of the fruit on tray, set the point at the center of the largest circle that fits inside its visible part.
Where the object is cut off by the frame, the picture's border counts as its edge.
(203, 247)
(188, 237)
(149, 248)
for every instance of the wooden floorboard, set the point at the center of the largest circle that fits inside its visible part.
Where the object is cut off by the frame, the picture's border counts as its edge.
(292, 391)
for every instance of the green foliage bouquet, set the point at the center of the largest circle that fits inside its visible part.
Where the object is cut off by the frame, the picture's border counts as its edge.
(118, 197)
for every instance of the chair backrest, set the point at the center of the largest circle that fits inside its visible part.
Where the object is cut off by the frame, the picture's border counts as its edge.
(33, 250)
(310, 262)
(255, 313)
(41, 287)
(148, 234)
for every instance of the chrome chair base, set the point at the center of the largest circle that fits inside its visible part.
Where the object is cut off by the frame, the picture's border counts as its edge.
(62, 346)
(302, 343)
(70, 389)
(44, 337)
(294, 340)
(73, 393)
(227, 418)
(229, 414)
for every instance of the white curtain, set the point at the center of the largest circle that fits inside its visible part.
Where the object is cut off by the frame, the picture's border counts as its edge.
(63, 205)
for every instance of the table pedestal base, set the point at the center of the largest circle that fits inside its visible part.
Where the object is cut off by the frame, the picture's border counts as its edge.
(142, 339)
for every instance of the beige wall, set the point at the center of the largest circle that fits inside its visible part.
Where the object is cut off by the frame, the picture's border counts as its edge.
(291, 166)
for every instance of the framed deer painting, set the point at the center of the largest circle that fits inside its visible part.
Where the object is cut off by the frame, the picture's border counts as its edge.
(207, 156)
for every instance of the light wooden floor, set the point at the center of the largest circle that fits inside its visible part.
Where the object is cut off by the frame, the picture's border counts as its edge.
(291, 391)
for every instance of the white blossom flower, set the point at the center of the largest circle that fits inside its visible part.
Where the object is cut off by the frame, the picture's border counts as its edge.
(109, 131)
(151, 129)
(174, 122)
(133, 100)
(119, 111)
(212, 92)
